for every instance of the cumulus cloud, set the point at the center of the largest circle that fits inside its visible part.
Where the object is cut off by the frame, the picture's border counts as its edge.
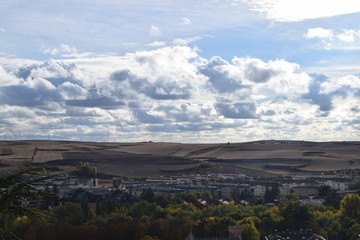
(145, 117)
(349, 82)
(154, 31)
(316, 96)
(237, 110)
(8, 79)
(319, 32)
(63, 49)
(218, 72)
(270, 78)
(347, 39)
(299, 10)
(173, 89)
(349, 35)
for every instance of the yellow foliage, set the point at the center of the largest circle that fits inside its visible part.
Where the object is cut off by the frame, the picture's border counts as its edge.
(210, 219)
(329, 213)
(275, 210)
(191, 207)
(21, 219)
(172, 210)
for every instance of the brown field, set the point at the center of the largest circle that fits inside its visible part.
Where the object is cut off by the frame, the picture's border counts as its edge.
(148, 159)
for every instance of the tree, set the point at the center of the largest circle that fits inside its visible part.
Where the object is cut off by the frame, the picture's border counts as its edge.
(354, 232)
(142, 208)
(15, 188)
(271, 195)
(148, 195)
(161, 200)
(69, 213)
(117, 182)
(223, 226)
(350, 206)
(249, 232)
(86, 170)
(295, 213)
(187, 197)
(108, 206)
(330, 196)
(85, 208)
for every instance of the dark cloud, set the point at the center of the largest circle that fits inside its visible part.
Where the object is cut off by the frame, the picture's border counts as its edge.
(324, 101)
(159, 89)
(121, 75)
(256, 74)
(268, 113)
(237, 110)
(163, 90)
(219, 78)
(79, 112)
(24, 72)
(100, 102)
(27, 97)
(145, 117)
(355, 109)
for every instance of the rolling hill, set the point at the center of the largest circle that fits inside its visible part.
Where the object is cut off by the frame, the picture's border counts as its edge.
(149, 158)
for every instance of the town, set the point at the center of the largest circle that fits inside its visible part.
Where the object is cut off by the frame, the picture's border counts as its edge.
(71, 188)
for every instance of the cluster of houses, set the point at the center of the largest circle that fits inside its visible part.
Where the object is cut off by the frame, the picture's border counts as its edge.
(233, 185)
(222, 186)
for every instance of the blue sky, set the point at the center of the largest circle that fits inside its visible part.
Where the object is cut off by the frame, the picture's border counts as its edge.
(184, 71)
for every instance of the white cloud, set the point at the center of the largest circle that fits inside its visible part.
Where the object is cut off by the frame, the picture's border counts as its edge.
(185, 41)
(336, 84)
(71, 91)
(8, 79)
(347, 39)
(299, 10)
(156, 44)
(154, 31)
(319, 32)
(156, 93)
(185, 21)
(349, 35)
(62, 49)
(2, 30)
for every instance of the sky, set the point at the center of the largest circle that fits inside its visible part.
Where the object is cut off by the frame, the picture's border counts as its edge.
(207, 71)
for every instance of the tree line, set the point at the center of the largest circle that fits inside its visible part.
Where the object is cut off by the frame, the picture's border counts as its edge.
(155, 216)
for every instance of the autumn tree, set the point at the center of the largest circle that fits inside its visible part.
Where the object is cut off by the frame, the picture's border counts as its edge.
(350, 206)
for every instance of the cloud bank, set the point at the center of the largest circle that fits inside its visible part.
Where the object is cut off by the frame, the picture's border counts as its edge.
(174, 94)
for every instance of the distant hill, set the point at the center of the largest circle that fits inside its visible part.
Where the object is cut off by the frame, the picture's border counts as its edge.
(150, 158)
